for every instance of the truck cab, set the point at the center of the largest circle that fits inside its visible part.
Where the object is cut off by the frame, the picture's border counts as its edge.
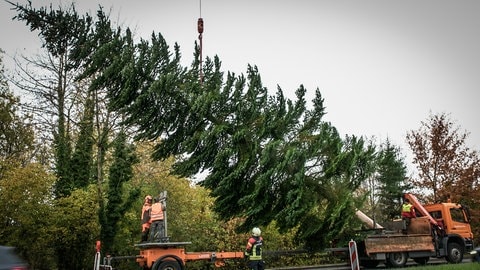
(453, 219)
(440, 230)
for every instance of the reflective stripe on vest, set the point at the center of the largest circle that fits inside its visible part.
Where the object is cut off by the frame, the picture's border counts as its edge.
(256, 253)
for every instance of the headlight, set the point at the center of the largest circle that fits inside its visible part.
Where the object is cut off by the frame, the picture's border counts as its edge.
(473, 252)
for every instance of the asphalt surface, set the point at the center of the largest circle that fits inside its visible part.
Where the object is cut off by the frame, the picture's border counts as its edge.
(410, 263)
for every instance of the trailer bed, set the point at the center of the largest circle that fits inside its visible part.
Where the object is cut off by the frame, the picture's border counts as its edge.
(389, 243)
(162, 245)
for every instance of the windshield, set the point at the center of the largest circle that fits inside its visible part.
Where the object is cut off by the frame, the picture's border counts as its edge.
(457, 215)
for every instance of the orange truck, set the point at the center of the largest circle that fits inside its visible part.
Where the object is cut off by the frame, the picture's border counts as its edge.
(440, 230)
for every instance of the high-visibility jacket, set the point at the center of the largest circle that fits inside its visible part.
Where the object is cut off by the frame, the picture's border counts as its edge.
(408, 210)
(156, 213)
(145, 217)
(254, 248)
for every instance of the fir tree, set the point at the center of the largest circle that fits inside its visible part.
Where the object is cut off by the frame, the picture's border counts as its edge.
(83, 155)
(392, 175)
(118, 202)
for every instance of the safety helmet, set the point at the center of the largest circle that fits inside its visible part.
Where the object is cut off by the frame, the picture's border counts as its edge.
(256, 231)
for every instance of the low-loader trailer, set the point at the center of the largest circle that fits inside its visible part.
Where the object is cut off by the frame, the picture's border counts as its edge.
(167, 255)
(172, 256)
(440, 230)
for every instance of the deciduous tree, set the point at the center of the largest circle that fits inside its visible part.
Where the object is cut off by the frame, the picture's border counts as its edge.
(75, 229)
(27, 214)
(447, 167)
(52, 80)
(16, 132)
(72, 108)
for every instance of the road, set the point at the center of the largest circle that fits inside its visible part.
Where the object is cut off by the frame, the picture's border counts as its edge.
(410, 263)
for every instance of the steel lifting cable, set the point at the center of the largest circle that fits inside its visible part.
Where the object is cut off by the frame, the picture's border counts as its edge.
(200, 32)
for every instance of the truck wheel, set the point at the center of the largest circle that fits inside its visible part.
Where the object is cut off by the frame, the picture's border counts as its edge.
(422, 260)
(455, 253)
(166, 265)
(397, 259)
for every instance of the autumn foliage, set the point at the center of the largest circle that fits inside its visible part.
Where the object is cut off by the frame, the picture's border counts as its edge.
(447, 167)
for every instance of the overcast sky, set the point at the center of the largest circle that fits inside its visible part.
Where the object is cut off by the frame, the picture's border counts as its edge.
(382, 65)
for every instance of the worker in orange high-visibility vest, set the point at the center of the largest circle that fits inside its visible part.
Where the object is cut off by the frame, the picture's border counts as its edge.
(145, 217)
(157, 221)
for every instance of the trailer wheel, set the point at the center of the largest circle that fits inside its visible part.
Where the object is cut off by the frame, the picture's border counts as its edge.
(455, 253)
(422, 260)
(397, 259)
(166, 265)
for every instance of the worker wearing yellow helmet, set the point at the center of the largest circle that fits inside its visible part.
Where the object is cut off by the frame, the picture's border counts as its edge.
(253, 251)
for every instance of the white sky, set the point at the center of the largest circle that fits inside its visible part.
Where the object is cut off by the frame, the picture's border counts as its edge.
(381, 65)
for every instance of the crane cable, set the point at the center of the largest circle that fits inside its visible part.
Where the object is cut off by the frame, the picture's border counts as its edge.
(200, 32)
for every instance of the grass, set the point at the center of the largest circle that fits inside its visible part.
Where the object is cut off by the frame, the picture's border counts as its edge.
(463, 266)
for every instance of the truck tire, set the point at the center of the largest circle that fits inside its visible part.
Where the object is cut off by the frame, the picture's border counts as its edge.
(422, 260)
(454, 253)
(166, 265)
(397, 259)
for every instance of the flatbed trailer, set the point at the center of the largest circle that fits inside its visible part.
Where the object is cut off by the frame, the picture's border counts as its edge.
(394, 248)
(173, 256)
(166, 255)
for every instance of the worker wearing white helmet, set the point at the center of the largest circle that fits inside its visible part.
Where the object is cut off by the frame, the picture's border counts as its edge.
(253, 251)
